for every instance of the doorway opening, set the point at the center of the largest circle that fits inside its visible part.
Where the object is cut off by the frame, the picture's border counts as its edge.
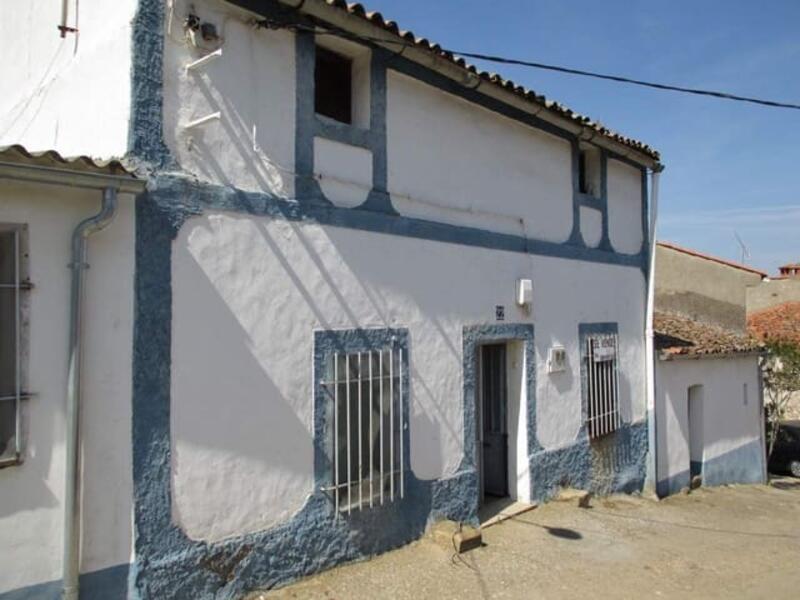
(493, 423)
(695, 417)
(502, 431)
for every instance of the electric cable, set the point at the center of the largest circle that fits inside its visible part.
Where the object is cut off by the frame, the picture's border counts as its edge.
(328, 30)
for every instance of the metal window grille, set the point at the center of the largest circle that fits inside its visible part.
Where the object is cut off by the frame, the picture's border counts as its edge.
(602, 384)
(12, 286)
(366, 389)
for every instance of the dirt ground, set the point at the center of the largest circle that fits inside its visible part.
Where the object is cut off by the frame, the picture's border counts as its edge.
(731, 542)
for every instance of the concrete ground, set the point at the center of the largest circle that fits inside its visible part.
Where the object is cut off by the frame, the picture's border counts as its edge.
(731, 542)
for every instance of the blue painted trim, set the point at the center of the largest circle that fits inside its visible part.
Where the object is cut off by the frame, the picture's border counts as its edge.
(105, 584)
(646, 241)
(306, 186)
(309, 125)
(183, 197)
(586, 330)
(744, 464)
(145, 134)
(614, 464)
(473, 337)
(147, 145)
(599, 203)
(167, 563)
(575, 237)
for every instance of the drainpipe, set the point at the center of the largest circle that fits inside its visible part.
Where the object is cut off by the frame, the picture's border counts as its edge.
(72, 517)
(650, 358)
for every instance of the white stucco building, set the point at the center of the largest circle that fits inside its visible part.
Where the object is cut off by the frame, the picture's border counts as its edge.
(709, 405)
(366, 287)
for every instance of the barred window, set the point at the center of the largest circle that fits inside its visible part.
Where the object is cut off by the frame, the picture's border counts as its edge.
(602, 383)
(13, 285)
(367, 397)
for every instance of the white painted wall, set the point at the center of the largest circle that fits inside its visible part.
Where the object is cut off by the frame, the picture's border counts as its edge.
(70, 94)
(448, 160)
(31, 512)
(248, 294)
(345, 172)
(252, 85)
(591, 226)
(452, 161)
(519, 479)
(728, 424)
(624, 207)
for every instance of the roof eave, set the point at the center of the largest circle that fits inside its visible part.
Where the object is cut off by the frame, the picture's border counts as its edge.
(21, 171)
(667, 356)
(336, 16)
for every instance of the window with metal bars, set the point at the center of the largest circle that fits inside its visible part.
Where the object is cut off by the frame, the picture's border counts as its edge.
(601, 381)
(365, 392)
(13, 285)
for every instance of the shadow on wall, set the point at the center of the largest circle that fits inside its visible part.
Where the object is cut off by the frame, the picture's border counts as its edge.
(226, 353)
(24, 487)
(230, 419)
(371, 276)
(432, 427)
(227, 371)
(239, 136)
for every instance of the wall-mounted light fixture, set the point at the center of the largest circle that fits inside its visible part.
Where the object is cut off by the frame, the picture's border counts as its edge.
(525, 293)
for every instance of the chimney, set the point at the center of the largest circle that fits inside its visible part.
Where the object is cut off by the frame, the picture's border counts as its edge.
(791, 270)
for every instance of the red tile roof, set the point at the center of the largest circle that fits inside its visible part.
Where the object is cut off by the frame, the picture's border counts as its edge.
(679, 335)
(715, 259)
(780, 322)
(378, 20)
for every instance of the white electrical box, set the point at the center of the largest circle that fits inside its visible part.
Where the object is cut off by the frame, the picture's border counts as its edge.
(557, 360)
(524, 292)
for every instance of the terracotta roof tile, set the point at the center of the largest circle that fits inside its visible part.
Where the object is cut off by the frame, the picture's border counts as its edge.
(679, 335)
(378, 20)
(781, 322)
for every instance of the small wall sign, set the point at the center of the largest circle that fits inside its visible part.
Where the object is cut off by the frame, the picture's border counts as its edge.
(500, 312)
(605, 349)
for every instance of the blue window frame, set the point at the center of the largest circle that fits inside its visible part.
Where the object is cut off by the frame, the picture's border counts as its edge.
(600, 378)
(361, 399)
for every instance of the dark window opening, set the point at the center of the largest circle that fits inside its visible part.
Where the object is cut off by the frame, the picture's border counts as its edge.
(583, 178)
(333, 91)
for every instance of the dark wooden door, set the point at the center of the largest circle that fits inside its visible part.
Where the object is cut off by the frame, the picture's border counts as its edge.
(495, 434)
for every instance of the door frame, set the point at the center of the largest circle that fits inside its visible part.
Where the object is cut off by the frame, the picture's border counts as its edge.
(473, 337)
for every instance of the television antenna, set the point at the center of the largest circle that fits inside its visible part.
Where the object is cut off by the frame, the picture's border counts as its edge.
(743, 246)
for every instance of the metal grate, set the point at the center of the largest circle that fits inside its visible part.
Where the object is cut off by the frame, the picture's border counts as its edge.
(366, 389)
(602, 384)
(11, 287)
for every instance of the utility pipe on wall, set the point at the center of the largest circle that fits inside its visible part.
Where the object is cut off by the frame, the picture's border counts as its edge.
(650, 365)
(72, 518)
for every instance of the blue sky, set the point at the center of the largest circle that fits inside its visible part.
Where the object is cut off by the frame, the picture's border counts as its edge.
(731, 167)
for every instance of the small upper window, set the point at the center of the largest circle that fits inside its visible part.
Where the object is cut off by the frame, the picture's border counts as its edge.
(333, 86)
(589, 176)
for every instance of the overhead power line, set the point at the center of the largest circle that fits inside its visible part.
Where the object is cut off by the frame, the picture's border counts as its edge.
(617, 78)
(537, 65)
